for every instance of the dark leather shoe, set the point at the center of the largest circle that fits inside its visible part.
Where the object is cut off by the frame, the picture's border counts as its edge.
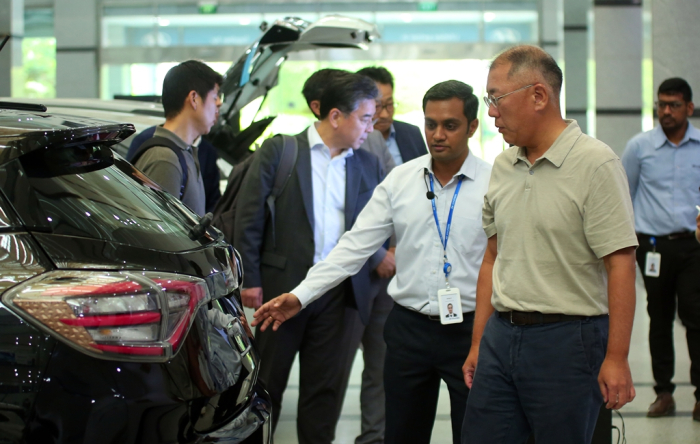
(696, 412)
(664, 406)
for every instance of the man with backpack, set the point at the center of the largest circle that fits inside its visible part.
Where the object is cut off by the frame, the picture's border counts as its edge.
(191, 104)
(330, 183)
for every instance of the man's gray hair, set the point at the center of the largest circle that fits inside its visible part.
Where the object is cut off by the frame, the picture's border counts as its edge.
(527, 58)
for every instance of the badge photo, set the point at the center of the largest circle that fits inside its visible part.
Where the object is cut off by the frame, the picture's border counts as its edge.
(652, 265)
(450, 306)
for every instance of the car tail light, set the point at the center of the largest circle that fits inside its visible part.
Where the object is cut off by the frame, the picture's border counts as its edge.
(143, 316)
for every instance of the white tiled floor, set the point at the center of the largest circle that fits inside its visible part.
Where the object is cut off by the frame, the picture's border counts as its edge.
(639, 429)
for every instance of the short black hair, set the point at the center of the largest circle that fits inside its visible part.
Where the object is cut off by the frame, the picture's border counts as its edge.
(378, 74)
(532, 58)
(191, 75)
(676, 85)
(317, 82)
(454, 89)
(345, 92)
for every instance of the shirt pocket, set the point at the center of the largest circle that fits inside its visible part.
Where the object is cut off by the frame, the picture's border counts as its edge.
(467, 232)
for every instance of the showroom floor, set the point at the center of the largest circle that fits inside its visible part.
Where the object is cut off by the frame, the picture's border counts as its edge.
(639, 429)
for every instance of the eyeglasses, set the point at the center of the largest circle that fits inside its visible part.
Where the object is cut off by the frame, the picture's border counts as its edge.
(389, 107)
(674, 106)
(490, 100)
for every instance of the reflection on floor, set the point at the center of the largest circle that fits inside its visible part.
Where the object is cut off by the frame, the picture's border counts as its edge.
(639, 429)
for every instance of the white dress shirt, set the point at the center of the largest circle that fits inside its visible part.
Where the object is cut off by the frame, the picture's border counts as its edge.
(399, 205)
(328, 187)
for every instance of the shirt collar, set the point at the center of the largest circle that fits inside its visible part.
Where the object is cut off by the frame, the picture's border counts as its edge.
(315, 141)
(392, 132)
(468, 168)
(163, 132)
(559, 149)
(659, 138)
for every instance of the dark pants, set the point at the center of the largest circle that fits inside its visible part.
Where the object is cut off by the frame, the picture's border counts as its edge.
(679, 280)
(316, 333)
(538, 378)
(419, 353)
(371, 338)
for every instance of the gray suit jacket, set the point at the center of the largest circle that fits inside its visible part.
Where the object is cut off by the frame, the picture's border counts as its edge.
(376, 145)
(280, 263)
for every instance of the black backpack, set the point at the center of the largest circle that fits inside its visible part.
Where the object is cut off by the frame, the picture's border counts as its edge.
(163, 141)
(225, 211)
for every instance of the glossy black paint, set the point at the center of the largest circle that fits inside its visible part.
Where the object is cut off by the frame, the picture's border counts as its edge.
(121, 402)
(51, 392)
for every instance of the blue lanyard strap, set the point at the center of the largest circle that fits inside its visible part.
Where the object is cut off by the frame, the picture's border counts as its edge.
(447, 268)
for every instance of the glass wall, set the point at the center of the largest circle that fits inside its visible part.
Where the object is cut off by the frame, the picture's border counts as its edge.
(420, 48)
(37, 76)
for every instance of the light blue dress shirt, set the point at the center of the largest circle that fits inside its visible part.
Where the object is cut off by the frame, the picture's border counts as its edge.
(664, 180)
(393, 147)
(328, 187)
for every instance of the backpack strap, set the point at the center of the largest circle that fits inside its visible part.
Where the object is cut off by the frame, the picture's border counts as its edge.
(288, 160)
(164, 141)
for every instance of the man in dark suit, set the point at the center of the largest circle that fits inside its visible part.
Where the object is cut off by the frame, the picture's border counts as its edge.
(405, 141)
(332, 182)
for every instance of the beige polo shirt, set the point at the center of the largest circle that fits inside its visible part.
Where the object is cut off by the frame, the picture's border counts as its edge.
(556, 219)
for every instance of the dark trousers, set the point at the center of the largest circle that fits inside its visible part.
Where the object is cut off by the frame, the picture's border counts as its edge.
(679, 280)
(538, 378)
(316, 333)
(371, 338)
(419, 353)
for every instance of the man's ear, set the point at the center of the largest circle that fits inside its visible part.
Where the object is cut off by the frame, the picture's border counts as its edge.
(473, 125)
(691, 108)
(315, 106)
(334, 117)
(191, 99)
(540, 96)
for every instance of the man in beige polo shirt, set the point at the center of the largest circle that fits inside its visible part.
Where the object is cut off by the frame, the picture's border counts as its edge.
(555, 293)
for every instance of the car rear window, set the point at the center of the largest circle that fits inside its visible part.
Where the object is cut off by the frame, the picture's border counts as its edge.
(87, 191)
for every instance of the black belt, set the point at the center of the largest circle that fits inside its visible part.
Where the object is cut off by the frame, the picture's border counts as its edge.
(535, 317)
(437, 318)
(672, 236)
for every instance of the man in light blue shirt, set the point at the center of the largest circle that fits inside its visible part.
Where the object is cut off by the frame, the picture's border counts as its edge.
(663, 168)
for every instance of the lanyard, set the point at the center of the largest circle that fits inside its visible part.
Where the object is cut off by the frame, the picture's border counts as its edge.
(447, 268)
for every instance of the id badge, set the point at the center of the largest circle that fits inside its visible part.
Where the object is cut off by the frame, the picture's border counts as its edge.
(450, 306)
(652, 265)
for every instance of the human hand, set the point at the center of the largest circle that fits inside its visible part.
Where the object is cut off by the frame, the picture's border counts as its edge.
(697, 221)
(252, 297)
(469, 366)
(276, 311)
(387, 267)
(615, 382)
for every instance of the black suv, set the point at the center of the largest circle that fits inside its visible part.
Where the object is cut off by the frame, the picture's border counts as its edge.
(119, 316)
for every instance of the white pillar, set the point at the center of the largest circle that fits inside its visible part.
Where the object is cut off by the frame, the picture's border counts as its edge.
(576, 54)
(675, 37)
(618, 57)
(550, 25)
(76, 27)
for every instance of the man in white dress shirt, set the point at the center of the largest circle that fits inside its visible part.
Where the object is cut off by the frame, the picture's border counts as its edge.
(420, 201)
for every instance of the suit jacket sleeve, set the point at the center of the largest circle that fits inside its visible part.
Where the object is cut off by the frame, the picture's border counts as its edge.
(251, 212)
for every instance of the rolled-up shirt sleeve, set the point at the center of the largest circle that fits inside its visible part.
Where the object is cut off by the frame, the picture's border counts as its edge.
(372, 228)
